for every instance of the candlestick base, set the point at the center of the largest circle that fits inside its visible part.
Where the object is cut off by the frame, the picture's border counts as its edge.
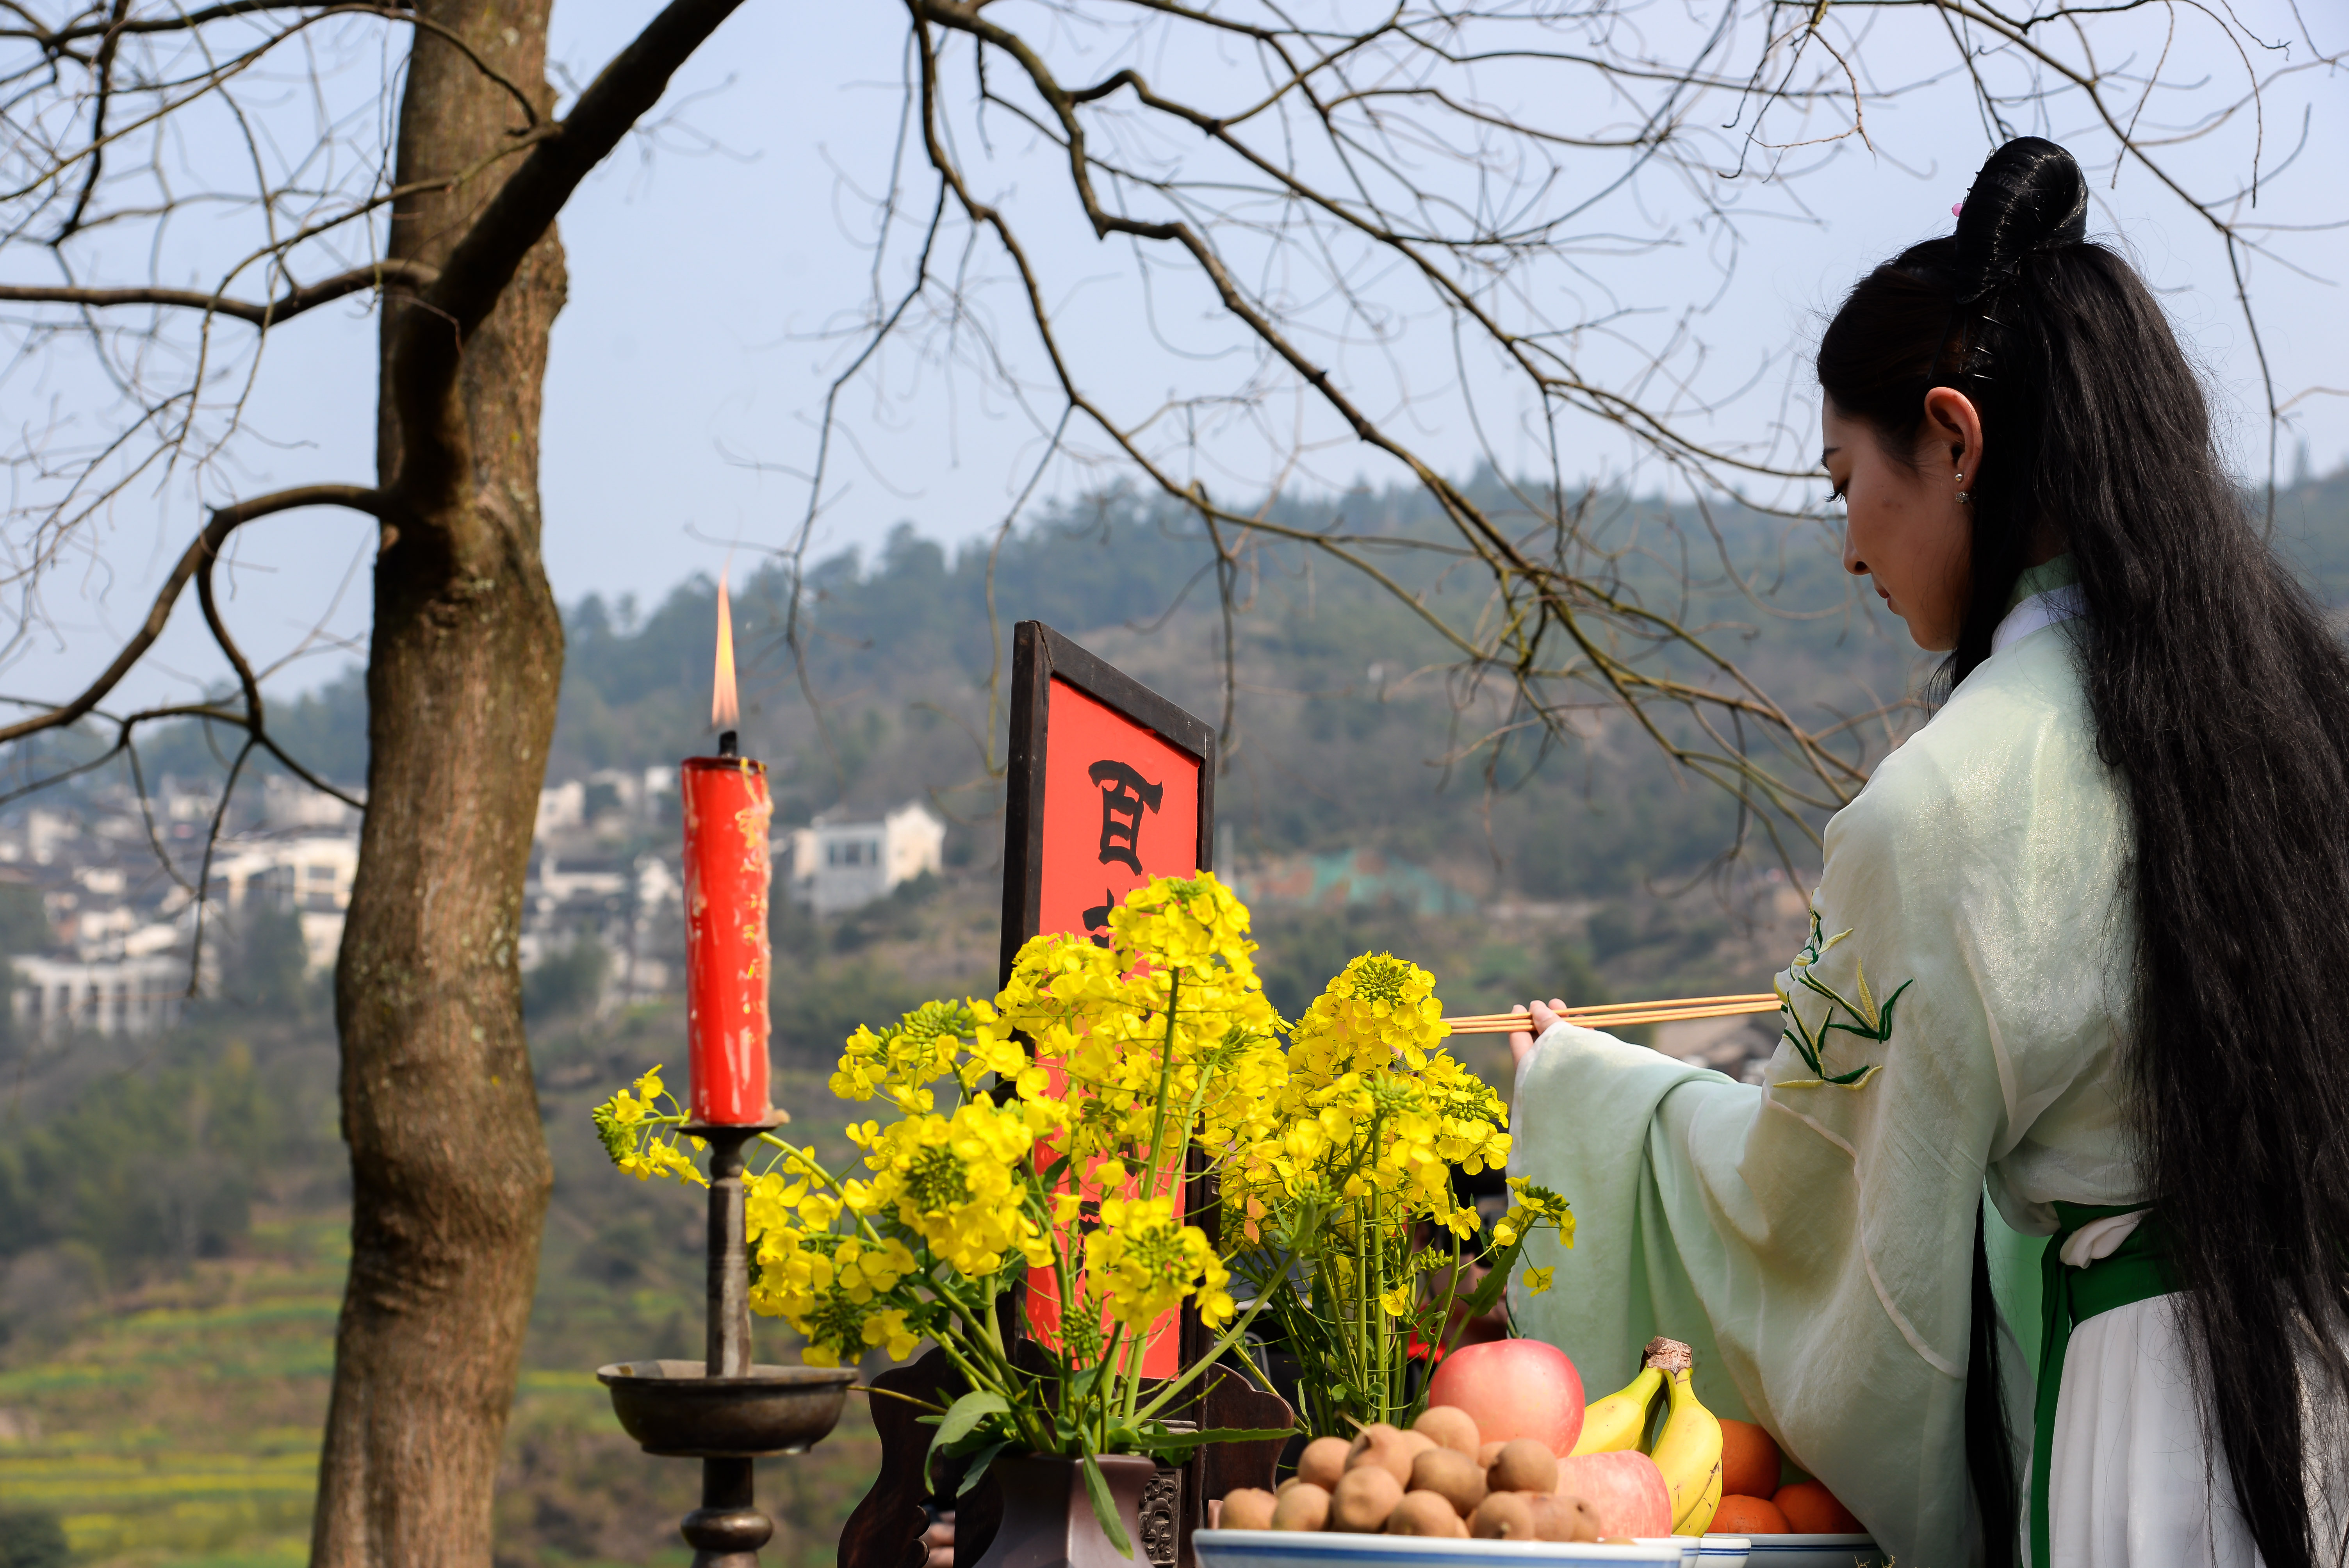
(726, 1531)
(723, 1409)
(677, 1409)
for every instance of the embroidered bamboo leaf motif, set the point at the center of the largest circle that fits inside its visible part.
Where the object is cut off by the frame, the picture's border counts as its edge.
(1870, 1021)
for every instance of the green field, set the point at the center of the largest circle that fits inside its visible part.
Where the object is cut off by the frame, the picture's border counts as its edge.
(177, 1425)
(184, 1428)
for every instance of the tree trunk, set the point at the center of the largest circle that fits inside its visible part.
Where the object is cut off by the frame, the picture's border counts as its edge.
(450, 1172)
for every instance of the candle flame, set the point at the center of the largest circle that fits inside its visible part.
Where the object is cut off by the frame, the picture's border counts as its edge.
(725, 708)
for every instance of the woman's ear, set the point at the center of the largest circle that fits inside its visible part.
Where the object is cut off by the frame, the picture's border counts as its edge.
(1952, 429)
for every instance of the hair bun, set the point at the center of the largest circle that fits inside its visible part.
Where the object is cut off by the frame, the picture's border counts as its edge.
(2030, 196)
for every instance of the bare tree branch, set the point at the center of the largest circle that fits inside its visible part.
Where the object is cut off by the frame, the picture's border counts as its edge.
(58, 40)
(1371, 143)
(427, 351)
(198, 556)
(287, 305)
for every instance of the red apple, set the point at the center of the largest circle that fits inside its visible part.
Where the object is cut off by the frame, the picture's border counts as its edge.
(1514, 1388)
(1626, 1488)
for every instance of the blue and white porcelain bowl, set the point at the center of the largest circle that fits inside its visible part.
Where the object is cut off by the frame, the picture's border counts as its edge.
(1722, 1550)
(1812, 1552)
(1335, 1549)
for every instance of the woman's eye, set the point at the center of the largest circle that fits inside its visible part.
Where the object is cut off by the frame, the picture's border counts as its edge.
(1835, 493)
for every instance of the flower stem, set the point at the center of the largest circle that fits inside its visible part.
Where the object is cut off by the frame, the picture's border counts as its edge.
(1133, 1389)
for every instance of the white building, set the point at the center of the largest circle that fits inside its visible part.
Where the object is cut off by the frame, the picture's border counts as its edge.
(140, 993)
(839, 863)
(38, 836)
(311, 874)
(289, 803)
(560, 807)
(580, 803)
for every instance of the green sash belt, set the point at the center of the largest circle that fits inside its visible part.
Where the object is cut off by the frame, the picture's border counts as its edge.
(2139, 1270)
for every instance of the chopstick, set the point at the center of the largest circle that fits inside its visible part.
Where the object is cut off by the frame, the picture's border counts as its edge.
(1623, 1014)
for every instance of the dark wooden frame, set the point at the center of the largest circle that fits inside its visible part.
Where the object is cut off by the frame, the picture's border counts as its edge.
(1037, 654)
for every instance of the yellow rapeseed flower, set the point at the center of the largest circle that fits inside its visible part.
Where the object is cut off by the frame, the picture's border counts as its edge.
(1144, 1261)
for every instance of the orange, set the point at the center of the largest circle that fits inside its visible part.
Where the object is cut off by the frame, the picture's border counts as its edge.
(1749, 1461)
(1812, 1510)
(1748, 1516)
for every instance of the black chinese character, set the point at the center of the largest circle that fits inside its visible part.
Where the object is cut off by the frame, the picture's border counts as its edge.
(1096, 919)
(1125, 794)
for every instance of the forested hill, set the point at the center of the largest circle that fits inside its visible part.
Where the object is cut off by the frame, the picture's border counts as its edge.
(1344, 716)
(1351, 730)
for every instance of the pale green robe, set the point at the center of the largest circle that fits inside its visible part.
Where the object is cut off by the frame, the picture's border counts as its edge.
(1814, 1243)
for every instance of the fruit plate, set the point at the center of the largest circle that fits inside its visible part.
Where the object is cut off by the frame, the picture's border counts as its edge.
(1812, 1552)
(1308, 1549)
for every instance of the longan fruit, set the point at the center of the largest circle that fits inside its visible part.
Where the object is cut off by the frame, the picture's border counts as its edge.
(1424, 1513)
(1523, 1465)
(1323, 1461)
(1452, 1475)
(1487, 1453)
(1302, 1507)
(1503, 1516)
(1392, 1452)
(1580, 1516)
(1246, 1508)
(1451, 1427)
(1561, 1516)
(1366, 1495)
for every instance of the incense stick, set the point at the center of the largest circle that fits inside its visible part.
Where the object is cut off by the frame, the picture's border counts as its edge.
(1622, 1014)
(1599, 1009)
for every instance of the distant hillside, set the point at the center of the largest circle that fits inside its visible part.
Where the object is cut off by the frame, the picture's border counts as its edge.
(1344, 716)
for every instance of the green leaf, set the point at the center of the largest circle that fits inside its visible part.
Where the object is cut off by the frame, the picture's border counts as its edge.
(1105, 1507)
(1488, 1290)
(977, 1471)
(1228, 1435)
(965, 1414)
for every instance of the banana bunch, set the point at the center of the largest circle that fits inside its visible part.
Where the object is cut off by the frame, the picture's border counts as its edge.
(1619, 1421)
(1687, 1448)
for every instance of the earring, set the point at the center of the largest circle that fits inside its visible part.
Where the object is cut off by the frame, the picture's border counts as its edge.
(1965, 498)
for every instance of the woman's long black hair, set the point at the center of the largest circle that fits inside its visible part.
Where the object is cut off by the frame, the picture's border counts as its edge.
(2221, 703)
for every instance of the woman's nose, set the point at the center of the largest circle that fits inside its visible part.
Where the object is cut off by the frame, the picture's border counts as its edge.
(1851, 560)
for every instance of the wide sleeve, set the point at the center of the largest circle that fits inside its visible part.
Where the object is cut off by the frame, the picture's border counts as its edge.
(1812, 1236)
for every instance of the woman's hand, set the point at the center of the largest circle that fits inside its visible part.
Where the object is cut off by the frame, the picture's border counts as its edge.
(938, 1541)
(1543, 1015)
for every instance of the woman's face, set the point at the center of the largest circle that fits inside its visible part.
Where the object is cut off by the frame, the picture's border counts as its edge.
(1904, 528)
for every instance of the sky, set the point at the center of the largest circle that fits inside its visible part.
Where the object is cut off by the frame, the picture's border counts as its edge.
(721, 260)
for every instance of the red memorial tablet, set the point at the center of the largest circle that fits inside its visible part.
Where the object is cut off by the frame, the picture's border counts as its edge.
(1111, 785)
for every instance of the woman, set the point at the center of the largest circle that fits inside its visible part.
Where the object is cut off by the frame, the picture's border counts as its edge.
(2082, 942)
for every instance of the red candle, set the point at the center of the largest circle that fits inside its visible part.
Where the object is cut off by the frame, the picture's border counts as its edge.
(726, 870)
(726, 961)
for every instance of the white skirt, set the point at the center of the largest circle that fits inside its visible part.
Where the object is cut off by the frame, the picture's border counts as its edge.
(2136, 1482)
